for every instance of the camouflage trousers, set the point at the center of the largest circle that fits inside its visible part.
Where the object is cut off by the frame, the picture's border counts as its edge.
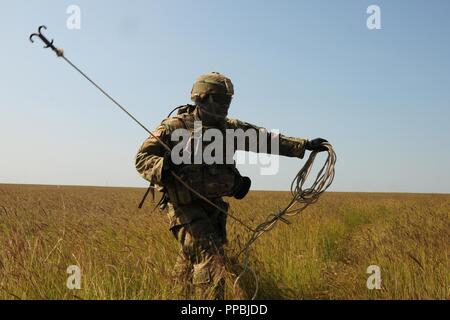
(200, 230)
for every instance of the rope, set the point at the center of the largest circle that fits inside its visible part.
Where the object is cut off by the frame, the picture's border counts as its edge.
(301, 199)
(114, 101)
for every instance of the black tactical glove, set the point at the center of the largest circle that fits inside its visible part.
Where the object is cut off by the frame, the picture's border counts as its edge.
(316, 145)
(241, 187)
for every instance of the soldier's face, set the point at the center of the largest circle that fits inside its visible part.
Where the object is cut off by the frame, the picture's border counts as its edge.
(221, 99)
(216, 106)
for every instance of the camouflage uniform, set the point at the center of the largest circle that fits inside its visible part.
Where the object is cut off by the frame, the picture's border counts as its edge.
(198, 227)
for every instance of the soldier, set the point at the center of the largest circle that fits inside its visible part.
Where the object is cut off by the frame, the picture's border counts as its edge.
(199, 227)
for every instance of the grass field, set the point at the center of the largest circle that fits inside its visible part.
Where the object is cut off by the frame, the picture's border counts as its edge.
(127, 253)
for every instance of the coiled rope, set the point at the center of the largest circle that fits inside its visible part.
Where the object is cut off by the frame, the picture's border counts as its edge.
(301, 199)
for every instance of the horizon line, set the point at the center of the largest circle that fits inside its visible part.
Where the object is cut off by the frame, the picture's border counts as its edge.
(263, 190)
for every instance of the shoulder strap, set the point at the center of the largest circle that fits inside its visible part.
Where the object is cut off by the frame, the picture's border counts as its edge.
(183, 119)
(188, 121)
(188, 108)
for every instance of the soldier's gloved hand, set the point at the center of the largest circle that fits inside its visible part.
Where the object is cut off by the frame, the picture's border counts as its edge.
(316, 145)
(241, 187)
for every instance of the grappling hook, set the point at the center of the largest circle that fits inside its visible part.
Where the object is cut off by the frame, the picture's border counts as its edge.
(48, 44)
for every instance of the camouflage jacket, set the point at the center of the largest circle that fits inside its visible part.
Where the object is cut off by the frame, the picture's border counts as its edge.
(149, 159)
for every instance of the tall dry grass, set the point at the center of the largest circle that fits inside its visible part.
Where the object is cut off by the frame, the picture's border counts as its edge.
(127, 253)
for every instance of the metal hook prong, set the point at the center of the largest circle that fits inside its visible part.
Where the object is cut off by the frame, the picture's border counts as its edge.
(32, 35)
(41, 27)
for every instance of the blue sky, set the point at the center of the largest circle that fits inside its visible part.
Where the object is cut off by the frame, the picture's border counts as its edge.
(307, 68)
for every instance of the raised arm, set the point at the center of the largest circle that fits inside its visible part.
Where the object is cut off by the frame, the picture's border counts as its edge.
(248, 138)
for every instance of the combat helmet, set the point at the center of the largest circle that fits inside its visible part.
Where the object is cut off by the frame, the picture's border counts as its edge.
(211, 83)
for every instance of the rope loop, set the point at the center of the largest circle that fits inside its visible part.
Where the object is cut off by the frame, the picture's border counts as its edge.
(301, 199)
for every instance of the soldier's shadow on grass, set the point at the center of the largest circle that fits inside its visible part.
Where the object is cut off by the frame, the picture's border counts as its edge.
(267, 286)
(270, 288)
